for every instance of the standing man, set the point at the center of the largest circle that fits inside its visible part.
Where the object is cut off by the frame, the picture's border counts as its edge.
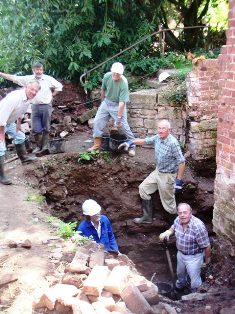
(41, 104)
(114, 95)
(167, 177)
(193, 246)
(12, 108)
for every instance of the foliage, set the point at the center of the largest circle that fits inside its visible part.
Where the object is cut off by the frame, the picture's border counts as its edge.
(80, 240)
(71, 37)
(95, 154)
(64, 230)
(38, 198)
(176, 94)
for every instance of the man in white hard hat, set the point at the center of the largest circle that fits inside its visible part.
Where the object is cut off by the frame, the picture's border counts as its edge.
(114, 95)
(98, 226)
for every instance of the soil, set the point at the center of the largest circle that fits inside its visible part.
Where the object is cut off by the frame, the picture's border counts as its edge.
(65, 183)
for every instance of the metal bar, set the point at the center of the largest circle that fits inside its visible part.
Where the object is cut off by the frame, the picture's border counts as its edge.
(135, 44)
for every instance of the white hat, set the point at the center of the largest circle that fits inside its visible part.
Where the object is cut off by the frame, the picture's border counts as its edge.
(90, 208)
(117, 67)
(163, 76)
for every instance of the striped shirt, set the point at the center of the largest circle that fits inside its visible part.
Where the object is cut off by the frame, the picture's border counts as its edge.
(168, 154)
(193, 239)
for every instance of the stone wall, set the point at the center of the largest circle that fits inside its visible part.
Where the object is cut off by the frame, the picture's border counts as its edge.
(202, 109)
(224, 209)
(146, 107)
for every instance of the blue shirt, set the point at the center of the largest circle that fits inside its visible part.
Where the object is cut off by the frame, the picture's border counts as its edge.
(107, 237)
(193, 239)
(168, 154)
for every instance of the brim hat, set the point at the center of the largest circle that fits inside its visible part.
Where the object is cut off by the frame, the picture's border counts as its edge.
(117, 67)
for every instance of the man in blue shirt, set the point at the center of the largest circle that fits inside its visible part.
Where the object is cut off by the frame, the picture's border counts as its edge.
(98, 226)
(167, 177)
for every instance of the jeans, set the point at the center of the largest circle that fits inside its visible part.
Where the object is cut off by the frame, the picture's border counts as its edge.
(41, 118)
(106, 110)
(189, 265)
(18, 137)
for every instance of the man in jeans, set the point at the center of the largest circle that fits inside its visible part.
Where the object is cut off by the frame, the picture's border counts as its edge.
(114, 95)
(41, 104)
(193, 246)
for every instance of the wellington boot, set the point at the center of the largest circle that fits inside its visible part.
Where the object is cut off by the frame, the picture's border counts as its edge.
(22, 154)
(44, 145)
(38, 142)
(147, 217)
(3, 179)
(97, 144)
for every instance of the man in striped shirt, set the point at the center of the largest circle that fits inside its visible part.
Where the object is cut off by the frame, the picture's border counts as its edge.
(167, 177)
(193, 246)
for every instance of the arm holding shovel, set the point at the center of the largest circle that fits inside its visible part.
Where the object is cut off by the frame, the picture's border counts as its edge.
(166, 235)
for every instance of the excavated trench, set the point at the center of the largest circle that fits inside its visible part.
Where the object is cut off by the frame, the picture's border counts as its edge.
(66, 184)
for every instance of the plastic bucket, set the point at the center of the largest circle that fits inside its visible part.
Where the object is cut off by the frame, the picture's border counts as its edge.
(105, 142)
(57, 146)
(164, 288)
(115, 140)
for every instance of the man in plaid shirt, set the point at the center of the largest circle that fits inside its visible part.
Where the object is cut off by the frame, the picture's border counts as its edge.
(193, 246)
(167, 177)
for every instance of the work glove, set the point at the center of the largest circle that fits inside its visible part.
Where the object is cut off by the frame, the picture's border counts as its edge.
(165, 235)
(178, 185)
(118, 122)
(126, 145)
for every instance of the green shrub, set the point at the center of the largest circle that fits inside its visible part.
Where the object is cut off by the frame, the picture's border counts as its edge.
(176, 94)
(64, 230)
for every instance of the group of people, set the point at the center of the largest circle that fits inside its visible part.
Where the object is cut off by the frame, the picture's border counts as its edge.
(38, 91)
(191, 235)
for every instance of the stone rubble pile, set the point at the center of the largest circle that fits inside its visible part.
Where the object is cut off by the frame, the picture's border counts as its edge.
(98, 282)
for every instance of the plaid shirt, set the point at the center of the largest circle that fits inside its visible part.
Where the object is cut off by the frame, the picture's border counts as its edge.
(192, 240)
(168, 154)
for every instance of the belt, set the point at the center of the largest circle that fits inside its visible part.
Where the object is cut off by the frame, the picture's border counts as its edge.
(189, 254)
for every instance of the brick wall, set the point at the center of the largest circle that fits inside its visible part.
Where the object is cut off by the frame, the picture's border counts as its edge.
(224, 209)
(202, 108)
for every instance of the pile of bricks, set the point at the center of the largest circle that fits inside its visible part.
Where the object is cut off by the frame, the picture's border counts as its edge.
(99, 283)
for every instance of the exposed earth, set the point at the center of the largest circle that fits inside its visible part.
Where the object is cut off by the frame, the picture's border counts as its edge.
(113, 181)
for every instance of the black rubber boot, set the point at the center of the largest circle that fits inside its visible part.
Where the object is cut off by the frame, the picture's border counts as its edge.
(3, 179)
(38, 141)
(44, 145)
(22, 154)
(147, 217)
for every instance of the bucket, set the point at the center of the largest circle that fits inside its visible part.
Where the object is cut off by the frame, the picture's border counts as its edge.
(115, 140)
(164, 288)
(105, 142)
(57, 146)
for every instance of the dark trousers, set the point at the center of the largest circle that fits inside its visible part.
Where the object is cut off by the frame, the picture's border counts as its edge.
(41, 118)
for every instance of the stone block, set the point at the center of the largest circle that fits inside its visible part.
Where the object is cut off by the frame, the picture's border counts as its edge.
(50, 296)
(135, 301)
(203, 126)
(143, 113)
(82, 307)
(96, 259)
(151, 294)
(94, 283)
(121, 308)
(144, 97)
(87, 115)
(150, 123)
(111, 262)
(140, 282)
(117, 280)
(77, 268)
(100, 308)
(136, 122)
(74, 279)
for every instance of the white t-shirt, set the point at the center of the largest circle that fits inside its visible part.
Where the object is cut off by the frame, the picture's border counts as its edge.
(13, 106)
(47, 83)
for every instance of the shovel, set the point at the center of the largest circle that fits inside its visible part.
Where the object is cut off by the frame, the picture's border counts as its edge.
(169, 262)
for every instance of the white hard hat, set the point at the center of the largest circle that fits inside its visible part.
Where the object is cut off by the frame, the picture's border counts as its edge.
(90, 208)
(117, 67)
(163, 76)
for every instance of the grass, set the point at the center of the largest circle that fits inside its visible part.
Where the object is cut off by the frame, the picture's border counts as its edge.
(33, 197)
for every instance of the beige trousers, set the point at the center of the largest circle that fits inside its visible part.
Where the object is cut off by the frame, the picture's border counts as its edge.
(164, 183)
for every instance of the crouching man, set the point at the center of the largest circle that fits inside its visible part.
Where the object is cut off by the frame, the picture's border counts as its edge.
(12, 108)
(193, 246)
